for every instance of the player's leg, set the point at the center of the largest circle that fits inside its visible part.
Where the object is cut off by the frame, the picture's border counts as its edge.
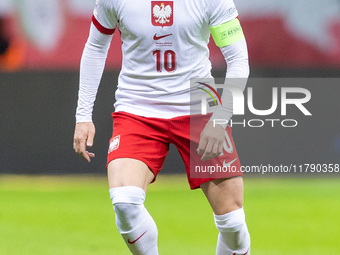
(128, 181)
(226, 199)
(136, 154)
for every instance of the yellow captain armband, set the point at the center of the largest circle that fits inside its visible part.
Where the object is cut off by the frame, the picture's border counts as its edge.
(227, 33)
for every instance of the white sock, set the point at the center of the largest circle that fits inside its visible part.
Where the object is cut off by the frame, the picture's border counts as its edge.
(134, 222)
(234, 238)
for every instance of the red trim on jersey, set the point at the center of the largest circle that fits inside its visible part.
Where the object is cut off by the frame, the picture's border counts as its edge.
(102, 29)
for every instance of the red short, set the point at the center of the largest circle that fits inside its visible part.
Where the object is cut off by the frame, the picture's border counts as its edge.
(148, 140)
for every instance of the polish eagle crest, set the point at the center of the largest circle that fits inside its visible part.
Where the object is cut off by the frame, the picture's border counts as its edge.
(162, 13)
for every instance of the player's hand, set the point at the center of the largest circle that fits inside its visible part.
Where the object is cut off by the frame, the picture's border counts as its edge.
(83, 137)
(211, 141)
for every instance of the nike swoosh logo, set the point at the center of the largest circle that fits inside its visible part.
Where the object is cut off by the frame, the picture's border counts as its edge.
(132, 242)
(155, 37)
(229, 163)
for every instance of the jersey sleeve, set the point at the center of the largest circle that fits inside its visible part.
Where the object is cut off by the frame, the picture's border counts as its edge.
(104, 17)
(91, 69)
(224, 26)
(228, 35)
(221, 11)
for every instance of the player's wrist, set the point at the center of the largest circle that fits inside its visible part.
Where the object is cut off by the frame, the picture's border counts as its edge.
(83, 119)
(219, 122)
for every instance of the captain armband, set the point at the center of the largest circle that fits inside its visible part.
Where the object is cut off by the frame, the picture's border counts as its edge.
(227, 33)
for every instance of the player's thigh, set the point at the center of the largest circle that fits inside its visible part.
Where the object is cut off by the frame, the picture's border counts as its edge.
(129, 172)
(224, 195)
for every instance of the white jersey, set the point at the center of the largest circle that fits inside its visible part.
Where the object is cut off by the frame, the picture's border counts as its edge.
(164, 46)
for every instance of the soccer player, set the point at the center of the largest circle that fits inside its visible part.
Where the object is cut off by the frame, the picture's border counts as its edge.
(164, 45)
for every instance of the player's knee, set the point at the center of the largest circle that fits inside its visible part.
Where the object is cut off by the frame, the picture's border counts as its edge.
(232, 227)
(127, 203)
(230, 222)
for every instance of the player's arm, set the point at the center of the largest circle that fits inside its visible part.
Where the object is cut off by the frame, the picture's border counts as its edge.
(91, 70)
(230, 38)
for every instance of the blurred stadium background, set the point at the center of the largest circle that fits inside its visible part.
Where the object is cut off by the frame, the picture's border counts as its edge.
(40, 48)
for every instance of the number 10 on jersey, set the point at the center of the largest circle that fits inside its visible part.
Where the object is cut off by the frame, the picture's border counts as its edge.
(166, 60)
